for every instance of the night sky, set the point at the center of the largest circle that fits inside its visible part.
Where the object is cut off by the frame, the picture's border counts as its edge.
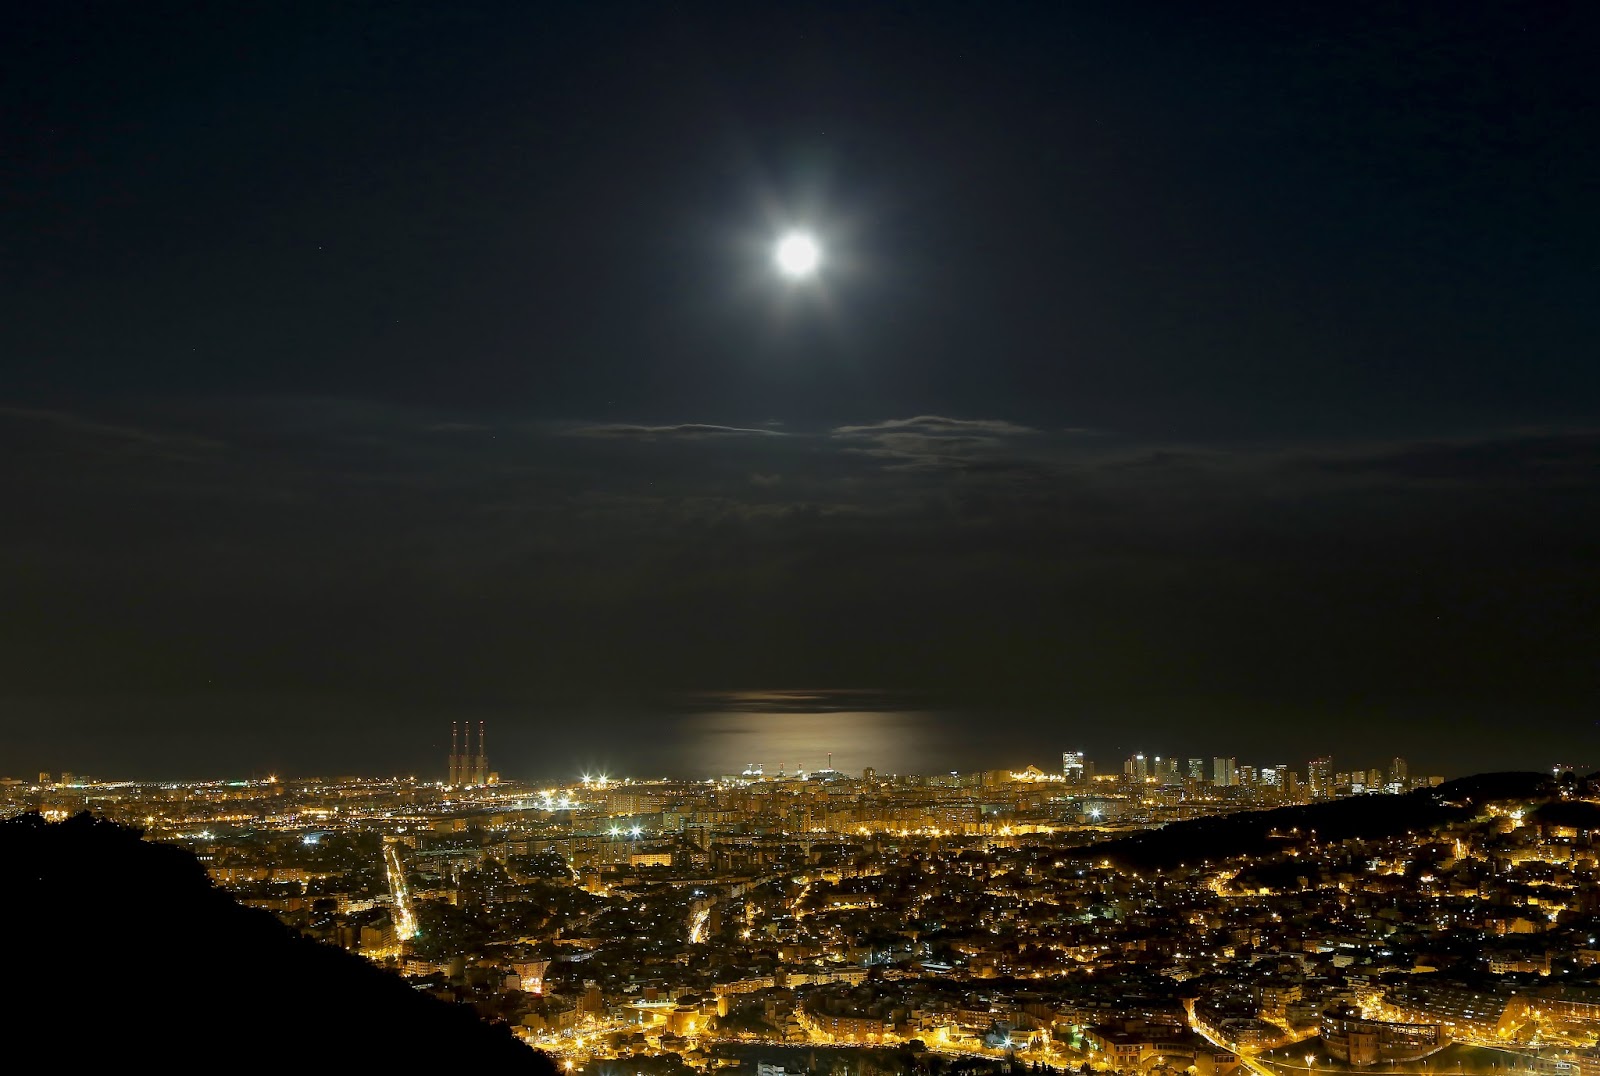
(1184, 377)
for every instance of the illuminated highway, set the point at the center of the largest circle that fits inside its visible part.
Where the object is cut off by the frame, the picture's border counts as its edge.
(405, 917)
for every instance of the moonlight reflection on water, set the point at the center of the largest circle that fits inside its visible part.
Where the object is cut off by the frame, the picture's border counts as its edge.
(720, 742)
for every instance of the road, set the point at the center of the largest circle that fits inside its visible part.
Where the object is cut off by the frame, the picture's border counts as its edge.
(405, 916)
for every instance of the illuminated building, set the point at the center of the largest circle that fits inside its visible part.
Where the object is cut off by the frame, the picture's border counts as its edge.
(1463, 1011)
(1361, 1043)
(1072, 766)
(1197, 769)
(1398, 772)
(1319, 775)
(1224, 772)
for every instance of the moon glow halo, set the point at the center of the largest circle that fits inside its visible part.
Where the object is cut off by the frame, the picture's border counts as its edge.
(797, 255)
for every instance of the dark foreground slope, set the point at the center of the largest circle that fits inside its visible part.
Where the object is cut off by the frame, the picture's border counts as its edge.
(1366, 817)
(122, 951)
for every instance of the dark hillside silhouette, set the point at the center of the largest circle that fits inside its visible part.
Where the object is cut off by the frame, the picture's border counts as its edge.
(122, 951)
(1578, 814)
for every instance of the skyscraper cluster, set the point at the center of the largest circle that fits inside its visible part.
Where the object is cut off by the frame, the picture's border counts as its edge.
(1318, 782)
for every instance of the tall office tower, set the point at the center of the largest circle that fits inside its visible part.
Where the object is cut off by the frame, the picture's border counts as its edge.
(1197, 769)
(455, 754)
(1244, 775)
(1169, 772)
(1319, 775)
(1136, 767)
(44, 777)
(1398, 773)
(1374, 779)
(1072, 767)
(1224, 772)
(1280, 776)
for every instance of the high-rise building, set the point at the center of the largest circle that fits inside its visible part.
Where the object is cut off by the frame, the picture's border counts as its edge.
(1224, 772)
(1197, 769)
(1136, 767)
(1398, 772)
(1072, 767)
(1319, 775)
(1374, 779)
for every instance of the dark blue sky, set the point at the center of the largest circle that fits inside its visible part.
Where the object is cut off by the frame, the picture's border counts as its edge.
(1203, 363)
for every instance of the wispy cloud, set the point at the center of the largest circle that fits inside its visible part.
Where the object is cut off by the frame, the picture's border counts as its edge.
(938, 426)
(105, 437)
(935, 441)
(1537, 459)
(684, 431)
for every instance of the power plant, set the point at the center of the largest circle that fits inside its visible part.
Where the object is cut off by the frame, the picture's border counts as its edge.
(467, 767)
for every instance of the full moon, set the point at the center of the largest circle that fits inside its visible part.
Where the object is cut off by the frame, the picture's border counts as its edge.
(797, 255)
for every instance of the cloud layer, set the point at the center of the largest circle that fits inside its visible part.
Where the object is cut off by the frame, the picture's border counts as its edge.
(343, 547)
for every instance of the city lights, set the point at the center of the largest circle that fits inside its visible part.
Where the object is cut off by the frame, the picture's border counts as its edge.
(1015, 878)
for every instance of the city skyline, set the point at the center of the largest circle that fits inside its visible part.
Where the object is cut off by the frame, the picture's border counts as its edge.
(786, 732)
(1117, 925)
(467, 765)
